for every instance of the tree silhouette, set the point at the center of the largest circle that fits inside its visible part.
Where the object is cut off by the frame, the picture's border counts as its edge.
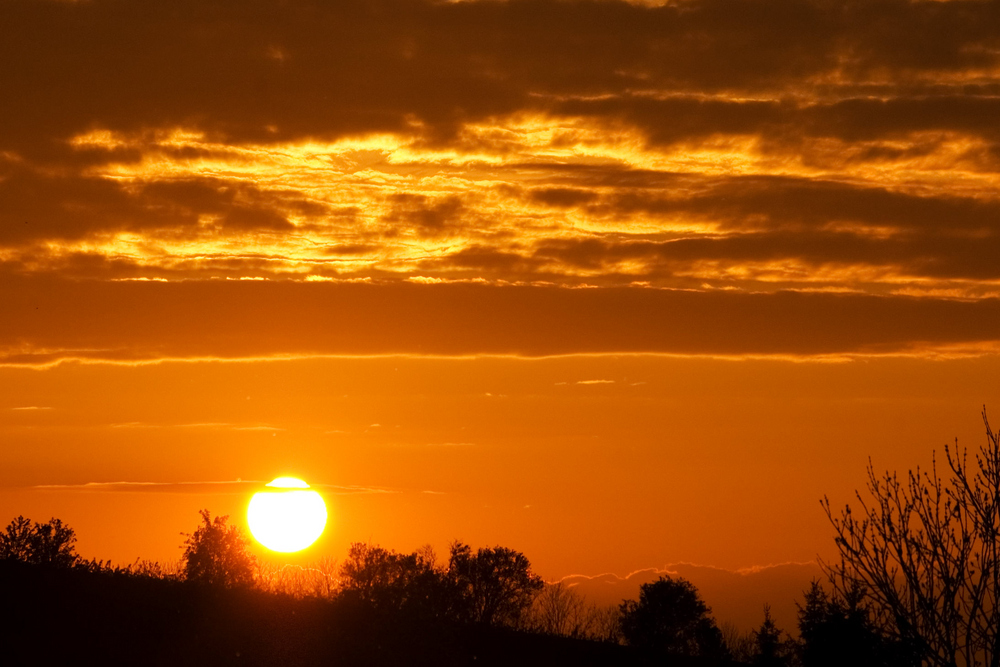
(925, 551)
(218, 554)
(770, 650)
(496, 584)
(560, 610)
(391, 581)
(671, 618)
(742, 646)
(837, 631)
(50, 543)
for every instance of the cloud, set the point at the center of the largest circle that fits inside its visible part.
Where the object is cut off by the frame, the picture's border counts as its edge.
(427, 216)
(735, 596)
(229, 487)
(395, 62)
(769, 147)
(214, 487)
(41, 206)
(203, 425)
(763, 202)
(782, 256)
(136, 321)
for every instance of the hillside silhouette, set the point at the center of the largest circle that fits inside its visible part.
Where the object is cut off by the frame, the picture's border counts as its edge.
(64, 616)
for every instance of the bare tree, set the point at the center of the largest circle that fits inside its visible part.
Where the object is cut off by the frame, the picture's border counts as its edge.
(560, 610)
(925, 549)
(741, 644)
(604, 624)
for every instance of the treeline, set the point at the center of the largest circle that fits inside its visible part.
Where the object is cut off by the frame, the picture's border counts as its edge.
(488, 587)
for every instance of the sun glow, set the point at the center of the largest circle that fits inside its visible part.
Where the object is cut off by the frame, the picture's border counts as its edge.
(288, 516)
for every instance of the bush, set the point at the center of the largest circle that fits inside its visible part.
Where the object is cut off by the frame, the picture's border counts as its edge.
(48, 543)
(218, 554)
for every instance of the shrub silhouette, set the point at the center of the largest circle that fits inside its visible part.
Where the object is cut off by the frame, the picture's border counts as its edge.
(670, 618)
(218, 554)
(48, 543)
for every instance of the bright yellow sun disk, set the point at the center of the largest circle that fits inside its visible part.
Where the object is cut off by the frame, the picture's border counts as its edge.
(288, 517)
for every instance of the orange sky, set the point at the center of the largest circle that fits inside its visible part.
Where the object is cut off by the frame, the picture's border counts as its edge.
(616, 284)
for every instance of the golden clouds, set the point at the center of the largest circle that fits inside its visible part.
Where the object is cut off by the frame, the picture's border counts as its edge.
(381, 208)
(745, 146)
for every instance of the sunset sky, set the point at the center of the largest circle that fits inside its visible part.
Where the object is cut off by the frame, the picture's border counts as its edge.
(619, 285)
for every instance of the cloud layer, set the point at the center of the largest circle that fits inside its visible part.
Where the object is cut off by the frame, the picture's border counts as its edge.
(135, 322)
(783, 151)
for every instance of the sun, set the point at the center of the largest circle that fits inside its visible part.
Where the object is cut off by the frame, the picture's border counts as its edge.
(288, 516)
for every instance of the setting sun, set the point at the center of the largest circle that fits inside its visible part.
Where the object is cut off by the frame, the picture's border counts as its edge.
(287, 517)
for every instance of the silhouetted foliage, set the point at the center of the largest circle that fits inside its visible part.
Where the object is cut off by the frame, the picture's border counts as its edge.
(496, 584)
(48, 543)
(390, 581)
(605, 624)
(770, 649)
(153, 569)
(70, 616)
(218, 554)
(925, 553)
(742, 646)
(837, 630)
(560, 610)
(671, 618)
(319, 579)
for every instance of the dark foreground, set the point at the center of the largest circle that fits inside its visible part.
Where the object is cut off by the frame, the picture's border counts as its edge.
(73, 617)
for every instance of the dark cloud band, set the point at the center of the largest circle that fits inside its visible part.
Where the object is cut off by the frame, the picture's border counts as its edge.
(220, 319)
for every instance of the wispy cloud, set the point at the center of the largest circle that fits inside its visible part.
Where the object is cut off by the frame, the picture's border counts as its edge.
(223, 487)
(216, 486)
(339, 489)
(199, 425)
(32, 407)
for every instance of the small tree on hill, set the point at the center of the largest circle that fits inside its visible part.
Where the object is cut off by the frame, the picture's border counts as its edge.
(670, 618)
(49, 543)
(218, 554)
